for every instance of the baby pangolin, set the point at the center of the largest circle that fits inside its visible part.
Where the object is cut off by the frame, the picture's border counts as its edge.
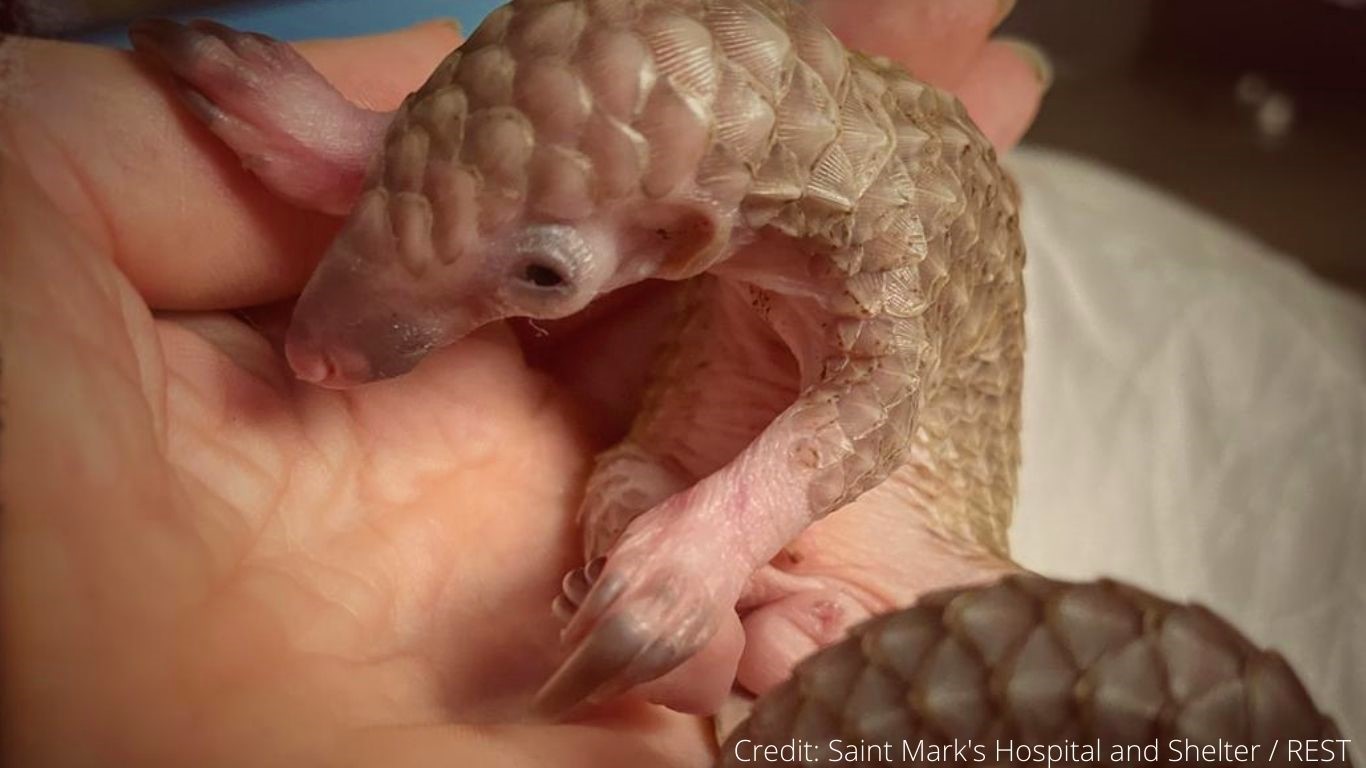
(853, 257)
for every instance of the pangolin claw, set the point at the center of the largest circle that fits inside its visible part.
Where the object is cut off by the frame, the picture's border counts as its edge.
(622, 631)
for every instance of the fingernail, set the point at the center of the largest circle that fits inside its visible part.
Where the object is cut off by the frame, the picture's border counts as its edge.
(445, 22)
(1038, 60)
(1003, 9)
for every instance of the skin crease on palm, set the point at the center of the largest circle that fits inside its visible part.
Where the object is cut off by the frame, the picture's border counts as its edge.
(206, 562)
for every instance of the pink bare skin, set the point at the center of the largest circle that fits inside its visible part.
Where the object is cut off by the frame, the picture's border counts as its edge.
(208, 563)
(290, 128)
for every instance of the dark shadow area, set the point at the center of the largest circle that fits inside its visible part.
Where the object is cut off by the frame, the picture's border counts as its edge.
(1252, 109)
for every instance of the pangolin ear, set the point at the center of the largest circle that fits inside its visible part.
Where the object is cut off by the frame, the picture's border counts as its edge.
(682, 239)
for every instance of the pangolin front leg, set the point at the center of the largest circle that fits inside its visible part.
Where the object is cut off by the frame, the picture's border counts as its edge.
(719, 378)
(677, 572)
(289, 126)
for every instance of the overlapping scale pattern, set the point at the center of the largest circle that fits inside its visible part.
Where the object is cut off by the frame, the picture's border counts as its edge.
(1030, 661)
(560, 109)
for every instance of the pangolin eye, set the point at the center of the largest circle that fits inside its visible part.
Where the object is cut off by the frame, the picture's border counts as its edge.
(542, 276)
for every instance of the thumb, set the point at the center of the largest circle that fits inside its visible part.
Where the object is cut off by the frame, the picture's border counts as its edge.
(148, 184)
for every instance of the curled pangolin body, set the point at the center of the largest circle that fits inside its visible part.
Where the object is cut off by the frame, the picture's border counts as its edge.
(905, 242)
(1040, 662)
(899, 216)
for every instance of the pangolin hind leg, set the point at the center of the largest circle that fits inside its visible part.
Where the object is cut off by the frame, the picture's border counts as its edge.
(677, 572)
(719, 380)
(291, 128)
(939, 520)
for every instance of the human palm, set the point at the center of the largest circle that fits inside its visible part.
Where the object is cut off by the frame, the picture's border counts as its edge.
(207, 562)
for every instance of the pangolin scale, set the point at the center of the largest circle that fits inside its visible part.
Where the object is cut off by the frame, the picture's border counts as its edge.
(1030, 662)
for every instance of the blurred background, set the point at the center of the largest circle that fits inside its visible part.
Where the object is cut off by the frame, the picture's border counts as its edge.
(1253, 110)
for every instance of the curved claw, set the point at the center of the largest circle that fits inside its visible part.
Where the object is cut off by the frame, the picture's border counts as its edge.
(210, 56)
(595, 661)
(622, 634)
(577, 584)
(615, 657)
(591, 607)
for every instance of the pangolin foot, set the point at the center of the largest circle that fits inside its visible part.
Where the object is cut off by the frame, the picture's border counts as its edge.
(645, 623)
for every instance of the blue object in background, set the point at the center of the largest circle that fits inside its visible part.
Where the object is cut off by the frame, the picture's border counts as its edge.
(298, 19)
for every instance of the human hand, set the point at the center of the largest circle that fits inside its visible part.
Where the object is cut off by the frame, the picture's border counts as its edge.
(209, 563)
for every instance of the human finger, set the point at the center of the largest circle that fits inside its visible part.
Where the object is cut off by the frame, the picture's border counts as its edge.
(127, 165)
(1003, 88)
(937, 40)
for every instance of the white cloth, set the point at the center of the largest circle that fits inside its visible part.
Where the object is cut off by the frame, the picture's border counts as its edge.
(1194, 420)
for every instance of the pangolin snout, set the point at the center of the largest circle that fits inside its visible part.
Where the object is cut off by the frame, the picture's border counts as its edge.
(352, 326)
(360, 351)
